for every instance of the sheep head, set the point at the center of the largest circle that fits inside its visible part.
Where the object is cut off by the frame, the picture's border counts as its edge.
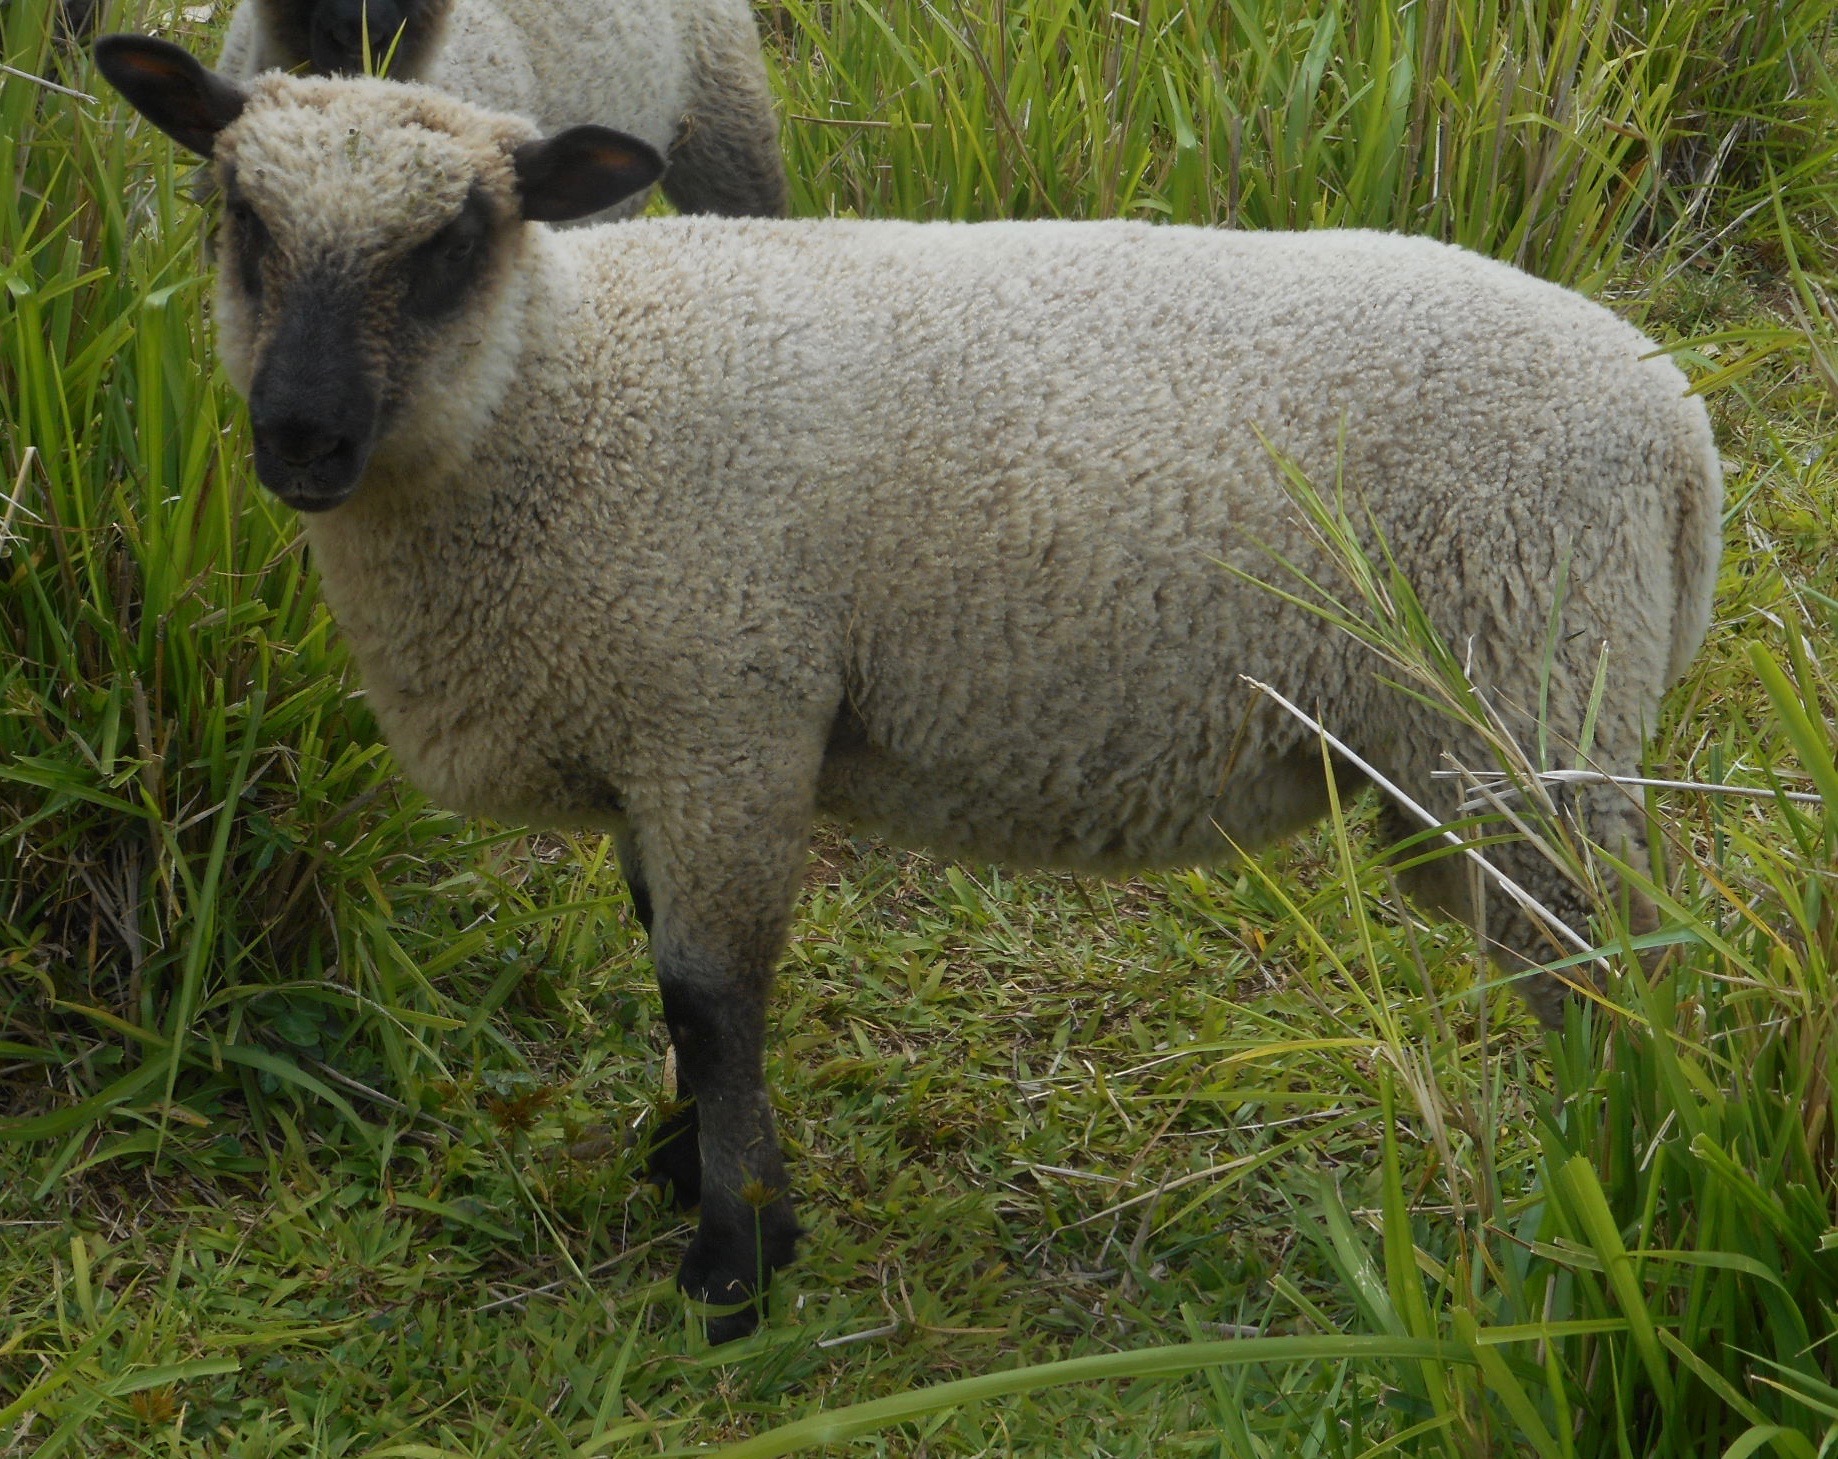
(369, 283)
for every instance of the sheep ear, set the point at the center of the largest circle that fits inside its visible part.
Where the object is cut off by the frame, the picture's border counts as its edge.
(171, 88)
(581, 171)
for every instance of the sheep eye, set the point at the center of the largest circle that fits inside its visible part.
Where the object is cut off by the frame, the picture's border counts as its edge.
(436, 276)
(250, 242)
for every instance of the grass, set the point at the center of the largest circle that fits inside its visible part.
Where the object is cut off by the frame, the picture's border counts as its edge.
(317, 1107)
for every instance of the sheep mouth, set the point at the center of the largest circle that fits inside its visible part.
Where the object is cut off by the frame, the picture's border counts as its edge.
(311, 477)
(339, 34)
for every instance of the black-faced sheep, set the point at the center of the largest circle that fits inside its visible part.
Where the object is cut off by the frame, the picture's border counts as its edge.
(685, 76)
(625, 532)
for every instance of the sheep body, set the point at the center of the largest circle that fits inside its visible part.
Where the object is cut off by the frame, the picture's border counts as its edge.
(993, 582)
(686, 76)
(695, 530)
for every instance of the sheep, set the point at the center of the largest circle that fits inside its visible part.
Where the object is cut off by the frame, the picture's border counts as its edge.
(625, 534)
(685, 75)
(72, 21)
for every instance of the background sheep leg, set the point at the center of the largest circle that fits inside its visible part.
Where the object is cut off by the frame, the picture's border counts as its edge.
(675, 1157)
(726, 157)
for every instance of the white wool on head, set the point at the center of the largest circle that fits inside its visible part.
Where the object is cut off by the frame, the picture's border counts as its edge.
(358, 166)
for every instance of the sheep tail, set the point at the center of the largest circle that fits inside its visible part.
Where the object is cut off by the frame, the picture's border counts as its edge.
(1698, 545)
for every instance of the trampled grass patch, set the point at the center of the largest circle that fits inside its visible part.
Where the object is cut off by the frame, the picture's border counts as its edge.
(321, 1110)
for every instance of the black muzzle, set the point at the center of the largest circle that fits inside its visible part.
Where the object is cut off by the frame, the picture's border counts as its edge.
(336, 38)
(312, 407)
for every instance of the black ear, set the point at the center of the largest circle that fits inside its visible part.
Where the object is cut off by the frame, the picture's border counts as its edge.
(581, 171)
(171, 88)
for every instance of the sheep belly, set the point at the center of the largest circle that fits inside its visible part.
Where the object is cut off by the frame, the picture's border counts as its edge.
(1114, 818)
(1130, 740)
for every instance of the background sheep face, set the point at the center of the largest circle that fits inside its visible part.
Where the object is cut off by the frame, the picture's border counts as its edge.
(329, 35)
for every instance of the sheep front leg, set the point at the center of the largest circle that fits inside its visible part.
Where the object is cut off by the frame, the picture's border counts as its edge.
(715, 1006)
(722, 822)
(723, 858)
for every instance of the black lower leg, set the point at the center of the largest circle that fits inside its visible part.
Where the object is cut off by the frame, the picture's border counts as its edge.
(675, 1155)
(626, 844)
(674, 1158)
(747, 1228)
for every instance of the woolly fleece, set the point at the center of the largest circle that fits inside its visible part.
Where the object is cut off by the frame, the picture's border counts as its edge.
(963, 497)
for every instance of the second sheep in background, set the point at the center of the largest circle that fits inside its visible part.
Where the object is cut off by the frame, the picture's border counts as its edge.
(685, 76)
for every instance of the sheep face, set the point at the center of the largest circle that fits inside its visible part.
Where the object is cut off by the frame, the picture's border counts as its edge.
(369, 296)
(329, 36)
(368, 287)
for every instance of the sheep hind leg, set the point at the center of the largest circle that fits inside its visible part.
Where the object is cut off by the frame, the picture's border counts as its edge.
(1517, 940)
(673, 1160)
(626, 845)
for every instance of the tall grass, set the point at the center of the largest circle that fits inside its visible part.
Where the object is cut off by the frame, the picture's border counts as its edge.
(219, 910)
(211, 880)
(1667, 1287)
(1549, 133)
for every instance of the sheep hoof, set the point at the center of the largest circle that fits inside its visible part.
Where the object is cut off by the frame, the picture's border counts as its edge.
(675, 1157)
(706, 1277)
(733, 1274)
(727, 1322)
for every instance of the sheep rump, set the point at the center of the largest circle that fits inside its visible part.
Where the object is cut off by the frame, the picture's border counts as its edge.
(695, 530)
(685, 76)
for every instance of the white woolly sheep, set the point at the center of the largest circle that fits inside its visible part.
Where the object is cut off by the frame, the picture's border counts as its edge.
(685, 76)
(626, 533)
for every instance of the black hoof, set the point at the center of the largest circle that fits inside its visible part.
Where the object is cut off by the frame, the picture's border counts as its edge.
(675, 1157)
(731, 1325)
(706, 1277)
(734, 1272)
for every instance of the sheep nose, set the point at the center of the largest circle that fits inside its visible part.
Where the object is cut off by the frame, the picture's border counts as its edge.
(312, 465)
(311, 404)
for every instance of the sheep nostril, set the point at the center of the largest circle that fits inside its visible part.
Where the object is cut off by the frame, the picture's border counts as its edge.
(301, 443)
